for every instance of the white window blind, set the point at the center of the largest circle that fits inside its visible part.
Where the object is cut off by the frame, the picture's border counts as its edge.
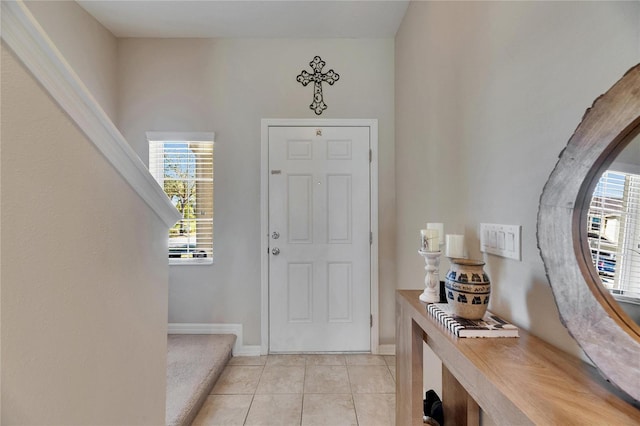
(614, 232)
(184, 169)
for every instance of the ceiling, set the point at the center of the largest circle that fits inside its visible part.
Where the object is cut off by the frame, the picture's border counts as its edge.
(249, 19)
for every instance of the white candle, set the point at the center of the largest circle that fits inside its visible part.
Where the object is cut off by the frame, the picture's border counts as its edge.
(440, 228)
(455, 246)
(424, 242)
(429, 240)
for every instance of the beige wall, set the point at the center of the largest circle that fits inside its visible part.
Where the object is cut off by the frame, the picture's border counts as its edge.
(86, 45)
(228, 86)
(84, 276)
(487, 95)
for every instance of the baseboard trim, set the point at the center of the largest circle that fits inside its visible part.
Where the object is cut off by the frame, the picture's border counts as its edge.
(239, 349)
(386, 349)
(248, 350)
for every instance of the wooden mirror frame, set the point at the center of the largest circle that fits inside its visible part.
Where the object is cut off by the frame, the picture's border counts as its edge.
(608, 336)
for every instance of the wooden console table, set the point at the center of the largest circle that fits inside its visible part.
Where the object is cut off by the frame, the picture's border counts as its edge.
(516, 381)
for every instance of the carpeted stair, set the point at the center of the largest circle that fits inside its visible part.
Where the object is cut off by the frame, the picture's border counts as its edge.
(194, 363)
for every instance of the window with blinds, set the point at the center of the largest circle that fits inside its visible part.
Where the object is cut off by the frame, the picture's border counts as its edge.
(184, 169)
(614, 232)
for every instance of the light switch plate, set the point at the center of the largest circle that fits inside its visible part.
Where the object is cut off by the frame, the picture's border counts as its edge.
(501, 240)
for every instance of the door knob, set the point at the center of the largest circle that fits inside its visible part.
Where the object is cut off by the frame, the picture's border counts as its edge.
(275, 235)
(275, 251)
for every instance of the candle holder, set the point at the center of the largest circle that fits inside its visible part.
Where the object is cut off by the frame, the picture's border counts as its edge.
(431, 292)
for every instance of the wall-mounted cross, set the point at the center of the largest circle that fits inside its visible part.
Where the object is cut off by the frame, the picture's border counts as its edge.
(317, 77)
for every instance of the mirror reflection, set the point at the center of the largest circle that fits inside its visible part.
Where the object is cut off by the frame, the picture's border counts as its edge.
(614, 229)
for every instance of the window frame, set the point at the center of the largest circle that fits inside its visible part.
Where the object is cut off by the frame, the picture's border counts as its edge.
(162, 137)
(617, 251)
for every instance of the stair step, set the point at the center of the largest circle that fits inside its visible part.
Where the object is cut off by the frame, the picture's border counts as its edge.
(194, 363)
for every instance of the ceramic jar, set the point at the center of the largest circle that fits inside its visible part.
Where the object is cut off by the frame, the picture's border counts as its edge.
(467, 287)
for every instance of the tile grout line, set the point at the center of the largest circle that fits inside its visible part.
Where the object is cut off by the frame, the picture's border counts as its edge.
(304, 382)
(246, 416)
(353, 400)
(253, 395)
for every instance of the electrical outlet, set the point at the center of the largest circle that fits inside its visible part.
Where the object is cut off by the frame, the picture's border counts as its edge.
(501, 240)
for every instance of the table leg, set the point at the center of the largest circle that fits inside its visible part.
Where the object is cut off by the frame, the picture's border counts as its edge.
(459, 407)
(409, 338)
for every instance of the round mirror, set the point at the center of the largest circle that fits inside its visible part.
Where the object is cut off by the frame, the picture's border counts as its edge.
(606, 333)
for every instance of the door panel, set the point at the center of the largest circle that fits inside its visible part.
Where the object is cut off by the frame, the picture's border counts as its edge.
(340, 298)
(319, 282)
(299, 292)
(299, 208)
(339, 202)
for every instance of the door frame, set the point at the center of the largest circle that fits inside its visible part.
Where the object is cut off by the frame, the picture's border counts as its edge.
(372, 124)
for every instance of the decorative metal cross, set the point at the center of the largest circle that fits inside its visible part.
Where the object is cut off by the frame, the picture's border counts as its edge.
(317, 77)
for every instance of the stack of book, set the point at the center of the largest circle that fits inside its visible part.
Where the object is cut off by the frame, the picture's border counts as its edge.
(490, 325)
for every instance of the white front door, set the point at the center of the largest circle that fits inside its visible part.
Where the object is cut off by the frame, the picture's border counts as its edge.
(319, 239)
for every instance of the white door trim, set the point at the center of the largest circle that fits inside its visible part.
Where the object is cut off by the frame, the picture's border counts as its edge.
(264, 215)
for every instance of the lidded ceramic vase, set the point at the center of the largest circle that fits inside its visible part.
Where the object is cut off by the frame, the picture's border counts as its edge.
(467, 287)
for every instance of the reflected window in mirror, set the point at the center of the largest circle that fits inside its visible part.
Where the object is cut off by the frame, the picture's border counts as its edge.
(614, 232)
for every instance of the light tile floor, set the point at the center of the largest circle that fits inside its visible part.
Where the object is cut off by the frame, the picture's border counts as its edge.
(307, 390)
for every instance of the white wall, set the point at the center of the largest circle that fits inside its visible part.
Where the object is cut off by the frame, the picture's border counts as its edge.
(487, 95)
(87, 46)
(228, 86)
(84, 275)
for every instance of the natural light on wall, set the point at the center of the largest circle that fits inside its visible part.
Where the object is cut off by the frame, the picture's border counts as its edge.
(182, 163)
(614, 232)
